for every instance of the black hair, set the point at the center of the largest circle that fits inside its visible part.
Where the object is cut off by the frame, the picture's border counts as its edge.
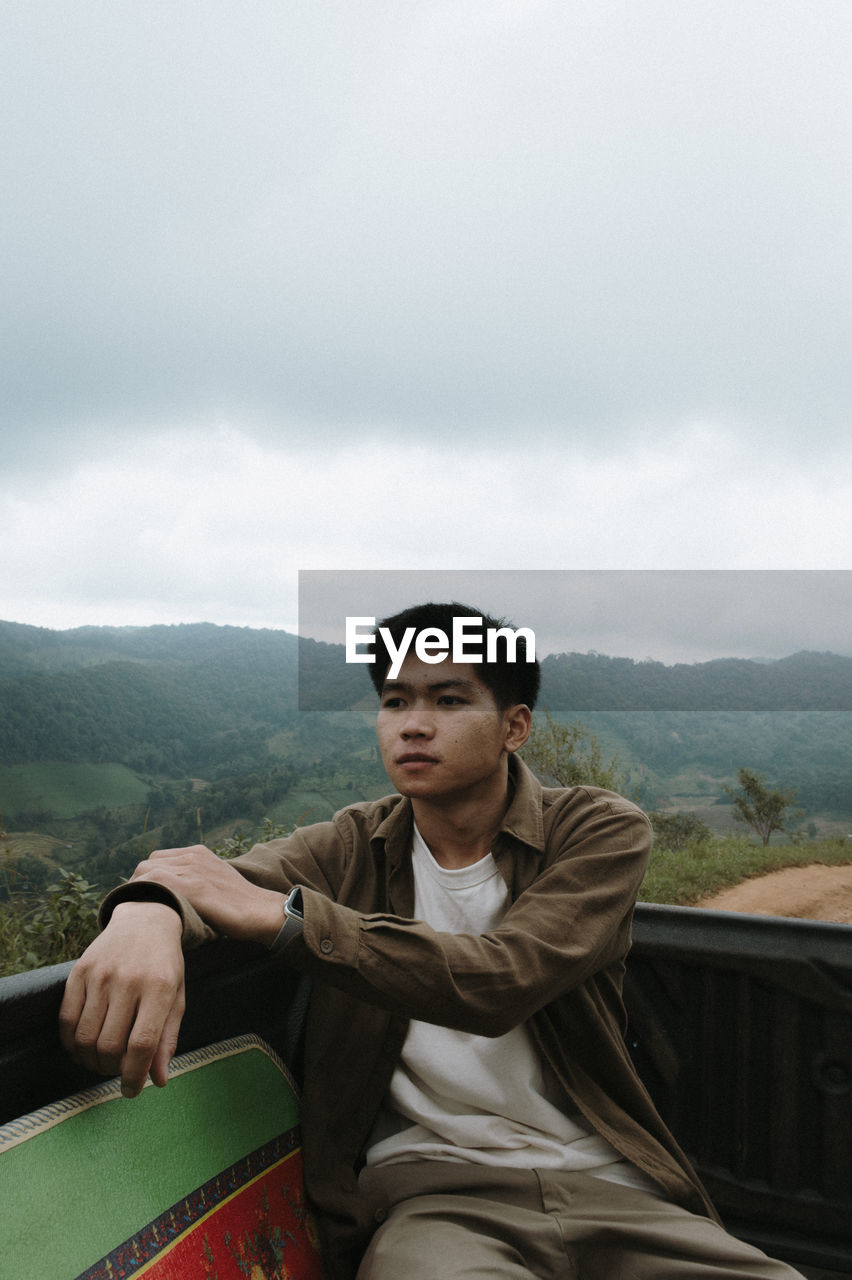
(510, 682)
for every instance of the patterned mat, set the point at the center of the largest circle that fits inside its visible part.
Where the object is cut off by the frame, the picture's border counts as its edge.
(200, 1179)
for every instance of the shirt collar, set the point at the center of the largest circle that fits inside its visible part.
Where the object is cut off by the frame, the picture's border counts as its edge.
(523, 819)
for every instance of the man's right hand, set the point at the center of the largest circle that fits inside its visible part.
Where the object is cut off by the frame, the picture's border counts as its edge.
(124, 998)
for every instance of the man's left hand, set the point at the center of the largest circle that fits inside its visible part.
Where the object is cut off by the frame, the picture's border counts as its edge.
(223, 898)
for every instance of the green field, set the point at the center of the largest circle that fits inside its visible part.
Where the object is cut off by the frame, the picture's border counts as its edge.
(67, 790)
(304, 805)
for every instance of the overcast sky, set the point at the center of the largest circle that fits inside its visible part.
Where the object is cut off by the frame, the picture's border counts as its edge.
(506, 285)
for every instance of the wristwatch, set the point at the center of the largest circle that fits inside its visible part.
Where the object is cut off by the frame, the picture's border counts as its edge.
(293, 919)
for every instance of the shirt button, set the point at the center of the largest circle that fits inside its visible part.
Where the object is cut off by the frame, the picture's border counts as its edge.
(326, 946)
(380, 1215)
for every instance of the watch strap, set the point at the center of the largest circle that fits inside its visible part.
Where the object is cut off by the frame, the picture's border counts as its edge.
(293, 920)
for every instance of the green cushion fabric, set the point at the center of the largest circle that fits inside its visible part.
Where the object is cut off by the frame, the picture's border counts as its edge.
(200, 1179)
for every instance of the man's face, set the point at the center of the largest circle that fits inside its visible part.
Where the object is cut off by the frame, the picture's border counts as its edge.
(440, 731)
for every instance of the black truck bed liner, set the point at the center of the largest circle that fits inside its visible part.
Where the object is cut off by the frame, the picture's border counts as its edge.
(740, 1025)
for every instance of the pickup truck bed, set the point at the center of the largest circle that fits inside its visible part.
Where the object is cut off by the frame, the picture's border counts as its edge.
(741, 1027)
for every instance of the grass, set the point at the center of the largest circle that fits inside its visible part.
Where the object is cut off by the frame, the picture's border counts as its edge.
(682, 877)
(67, 790)
(304, 805)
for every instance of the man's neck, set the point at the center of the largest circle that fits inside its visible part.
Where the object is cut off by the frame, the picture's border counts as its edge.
(460, 832)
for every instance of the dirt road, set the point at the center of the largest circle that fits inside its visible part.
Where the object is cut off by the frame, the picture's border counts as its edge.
(809, 893)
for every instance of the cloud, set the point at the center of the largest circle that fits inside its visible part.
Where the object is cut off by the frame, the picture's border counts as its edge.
(592, 222)
(516, 285)
(213, 526)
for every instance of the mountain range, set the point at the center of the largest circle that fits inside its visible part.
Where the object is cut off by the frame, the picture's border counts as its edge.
(168, 704)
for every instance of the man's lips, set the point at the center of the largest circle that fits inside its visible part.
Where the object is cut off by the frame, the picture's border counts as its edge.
(416, 757)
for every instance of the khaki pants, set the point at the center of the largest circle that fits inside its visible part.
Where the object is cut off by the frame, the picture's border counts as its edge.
(449, 1221)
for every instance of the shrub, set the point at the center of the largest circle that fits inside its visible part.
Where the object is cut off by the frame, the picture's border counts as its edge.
(50, 928)
(676, 830)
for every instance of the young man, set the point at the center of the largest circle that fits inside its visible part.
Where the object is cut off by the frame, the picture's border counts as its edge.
(470, 1108)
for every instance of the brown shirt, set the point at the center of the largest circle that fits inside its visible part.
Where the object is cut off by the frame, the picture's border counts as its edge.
(573, 860)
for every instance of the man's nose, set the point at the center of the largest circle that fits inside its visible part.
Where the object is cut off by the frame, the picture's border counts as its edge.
(418, 723)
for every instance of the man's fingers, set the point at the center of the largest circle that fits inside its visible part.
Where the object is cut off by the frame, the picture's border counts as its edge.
(124, 998)
(103, 1025)
(82, 1018)
(168, 1042)
(129, 1040)
(111, 1048)
(70, 1010)
(134, 1036)
(196, 856)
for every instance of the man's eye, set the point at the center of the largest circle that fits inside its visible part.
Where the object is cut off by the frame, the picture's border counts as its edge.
(392, 703)
(450, 700)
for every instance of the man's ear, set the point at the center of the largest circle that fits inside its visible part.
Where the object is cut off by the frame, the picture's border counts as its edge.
(518, 723)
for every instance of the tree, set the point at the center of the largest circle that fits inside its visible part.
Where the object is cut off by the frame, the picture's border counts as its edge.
(758, 806)
(568, 755)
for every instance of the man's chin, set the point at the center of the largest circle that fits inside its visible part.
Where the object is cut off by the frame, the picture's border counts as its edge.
(415, 784)
(412, 786)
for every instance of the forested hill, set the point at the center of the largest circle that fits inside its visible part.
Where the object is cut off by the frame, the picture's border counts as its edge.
(26, 650)
(160, 699)
(801, 682)
(169, 698)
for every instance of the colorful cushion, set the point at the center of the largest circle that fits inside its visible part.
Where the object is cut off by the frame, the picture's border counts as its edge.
(200, 1179)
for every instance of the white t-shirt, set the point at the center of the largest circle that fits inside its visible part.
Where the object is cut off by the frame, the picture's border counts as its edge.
(458, 1096)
